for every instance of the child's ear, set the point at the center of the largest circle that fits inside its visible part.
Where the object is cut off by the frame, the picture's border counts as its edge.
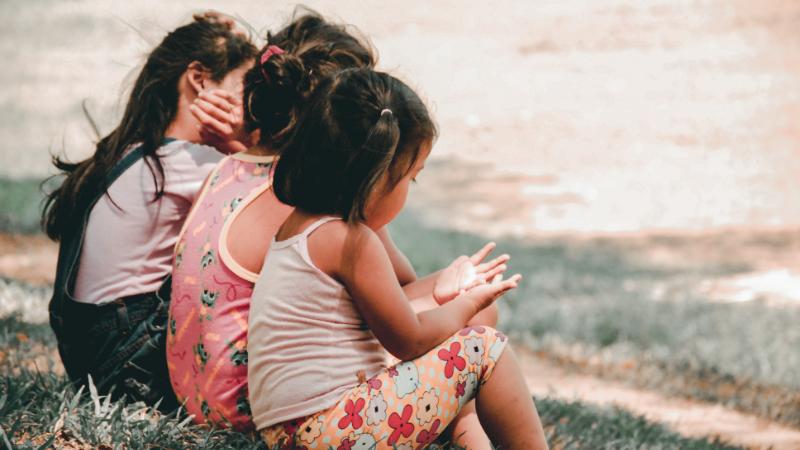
(197, 76)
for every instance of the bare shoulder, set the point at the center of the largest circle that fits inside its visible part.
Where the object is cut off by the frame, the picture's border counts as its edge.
(334, 246)
(341, 236)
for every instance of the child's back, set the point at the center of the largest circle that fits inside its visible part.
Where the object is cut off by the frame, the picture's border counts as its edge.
(328, 303)
(207, 333)
(308, 343)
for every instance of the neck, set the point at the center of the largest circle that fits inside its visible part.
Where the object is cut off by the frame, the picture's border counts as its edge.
(184, 125)
(261, 150)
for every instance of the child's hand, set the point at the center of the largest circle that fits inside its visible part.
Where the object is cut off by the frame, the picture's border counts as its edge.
(485, 294)
(212, 16)
(220, 115)
(465, 273)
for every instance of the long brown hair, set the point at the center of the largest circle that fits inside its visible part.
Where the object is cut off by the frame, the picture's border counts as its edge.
(151, 107)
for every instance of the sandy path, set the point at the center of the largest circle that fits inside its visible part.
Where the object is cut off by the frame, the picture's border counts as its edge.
(555, 116)
(687, 417)
(28, 258)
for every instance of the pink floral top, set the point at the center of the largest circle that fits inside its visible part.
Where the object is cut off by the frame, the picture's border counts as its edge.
(207, 337)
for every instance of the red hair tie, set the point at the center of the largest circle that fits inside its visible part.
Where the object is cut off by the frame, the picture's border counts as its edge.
(271, 50)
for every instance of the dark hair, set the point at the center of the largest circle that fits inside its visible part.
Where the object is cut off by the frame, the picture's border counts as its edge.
(151, 107)
(275, 91)
(345, 141)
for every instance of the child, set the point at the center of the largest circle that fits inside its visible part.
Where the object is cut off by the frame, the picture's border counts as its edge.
(226, 235)
(118, 213)
(215, 267)
(328, 303)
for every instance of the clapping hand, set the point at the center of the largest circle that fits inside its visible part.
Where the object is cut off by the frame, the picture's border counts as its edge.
(466, 273)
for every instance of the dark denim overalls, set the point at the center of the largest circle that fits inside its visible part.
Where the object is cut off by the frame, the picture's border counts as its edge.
(121, 344)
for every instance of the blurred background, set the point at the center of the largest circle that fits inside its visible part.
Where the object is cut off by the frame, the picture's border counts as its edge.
(638, 159)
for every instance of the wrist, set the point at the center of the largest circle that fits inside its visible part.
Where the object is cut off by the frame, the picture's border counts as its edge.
(470, 304)
(230, 147)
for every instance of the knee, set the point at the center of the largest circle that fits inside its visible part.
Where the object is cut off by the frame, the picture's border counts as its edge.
(481, 348)
(484, 330)
(482, 344)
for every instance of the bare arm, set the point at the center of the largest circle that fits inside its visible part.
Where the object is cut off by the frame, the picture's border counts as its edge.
(361, 262)
(402, 266)
(427, 287)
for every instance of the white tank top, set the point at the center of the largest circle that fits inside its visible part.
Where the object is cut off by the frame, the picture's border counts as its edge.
(307, 341)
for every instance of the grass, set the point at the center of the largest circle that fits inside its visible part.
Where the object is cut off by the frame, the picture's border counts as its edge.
(586, 299)
(596, 293)
(20, 205)
(576, 425)
(41, 410)
(598, 300)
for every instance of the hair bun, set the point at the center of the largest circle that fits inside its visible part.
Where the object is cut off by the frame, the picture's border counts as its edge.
(277, 86)
(283, 71)
(281, 82)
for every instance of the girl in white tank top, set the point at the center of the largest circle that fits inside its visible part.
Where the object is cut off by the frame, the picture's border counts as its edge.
(328, 305)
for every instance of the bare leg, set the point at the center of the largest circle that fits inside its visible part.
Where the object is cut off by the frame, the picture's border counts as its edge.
(465, 430)
(506, 409)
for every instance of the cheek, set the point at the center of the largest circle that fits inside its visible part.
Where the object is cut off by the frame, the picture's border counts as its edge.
(400, 195)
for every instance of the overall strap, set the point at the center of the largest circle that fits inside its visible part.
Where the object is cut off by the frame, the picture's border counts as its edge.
(126, 162)
(71, 244)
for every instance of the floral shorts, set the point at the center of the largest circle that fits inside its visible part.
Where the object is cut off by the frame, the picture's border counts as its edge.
(404, 407)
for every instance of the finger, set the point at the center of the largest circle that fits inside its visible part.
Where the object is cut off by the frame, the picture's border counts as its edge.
(482, 253)
(224, 117)
(216, 16)
(487, 266)
(506, 286)
(497, 278)
(222, 94)
(492, 274)
(513, 281)
(225, 114)
(217, 107)
(209, 122)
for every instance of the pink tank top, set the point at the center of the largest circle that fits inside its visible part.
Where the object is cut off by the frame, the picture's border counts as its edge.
(207, 336)
(307, 342)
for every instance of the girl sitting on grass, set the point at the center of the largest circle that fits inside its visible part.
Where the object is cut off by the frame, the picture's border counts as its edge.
(117, 214)
(224, 240)
(219, 255)
(328, 304)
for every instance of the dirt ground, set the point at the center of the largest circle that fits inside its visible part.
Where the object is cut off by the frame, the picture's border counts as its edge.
(28, 258)
(687, 417)
(572, 116)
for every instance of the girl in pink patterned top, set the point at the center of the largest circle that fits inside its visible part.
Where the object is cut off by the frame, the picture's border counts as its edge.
(207, 340)
(224, 240)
